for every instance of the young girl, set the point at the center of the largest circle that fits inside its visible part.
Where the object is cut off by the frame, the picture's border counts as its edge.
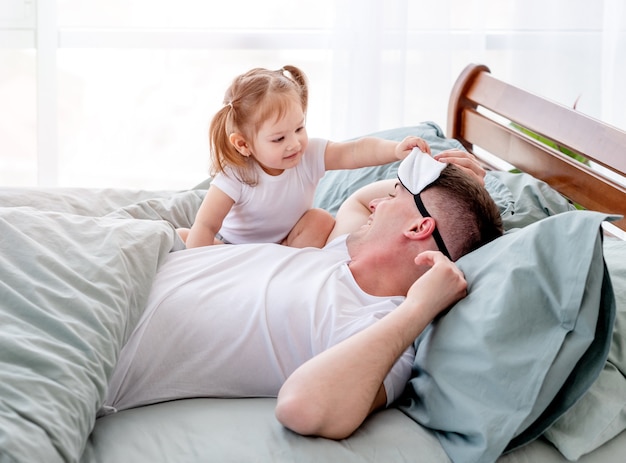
(265, 169)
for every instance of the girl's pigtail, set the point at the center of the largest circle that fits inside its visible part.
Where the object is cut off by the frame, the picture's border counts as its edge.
(218, 140)
(224, 156)
(298, 76)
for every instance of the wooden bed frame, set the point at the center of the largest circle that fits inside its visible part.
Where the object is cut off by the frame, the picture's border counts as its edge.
(485, 113)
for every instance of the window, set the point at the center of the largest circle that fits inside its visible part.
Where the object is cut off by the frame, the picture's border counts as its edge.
(119, 93)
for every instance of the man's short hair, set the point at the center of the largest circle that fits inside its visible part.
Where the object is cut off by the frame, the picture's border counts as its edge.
(466, 215)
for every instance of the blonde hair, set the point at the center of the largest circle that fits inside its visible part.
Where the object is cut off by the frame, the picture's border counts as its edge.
(251, 99)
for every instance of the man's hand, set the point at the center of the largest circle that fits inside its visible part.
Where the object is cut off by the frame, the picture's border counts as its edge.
(465, 161)
(440, 286)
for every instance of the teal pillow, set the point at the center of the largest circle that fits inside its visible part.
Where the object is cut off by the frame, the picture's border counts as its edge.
(521, 198)
(600, 414)
(72, 289)
(337, 185)
(529, 339)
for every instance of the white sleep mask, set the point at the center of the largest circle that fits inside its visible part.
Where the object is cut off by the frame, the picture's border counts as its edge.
(416, 172)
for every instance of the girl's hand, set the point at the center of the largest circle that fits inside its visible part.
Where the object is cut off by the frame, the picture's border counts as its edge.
(465, 161)
(404, 147)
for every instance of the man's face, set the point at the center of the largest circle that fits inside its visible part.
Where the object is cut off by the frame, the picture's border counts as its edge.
(390, 214)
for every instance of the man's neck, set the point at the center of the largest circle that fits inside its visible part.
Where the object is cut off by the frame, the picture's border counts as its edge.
(381, 270)
(378, 278)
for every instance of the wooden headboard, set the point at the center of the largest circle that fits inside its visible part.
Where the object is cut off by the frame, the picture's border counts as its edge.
(533, 134)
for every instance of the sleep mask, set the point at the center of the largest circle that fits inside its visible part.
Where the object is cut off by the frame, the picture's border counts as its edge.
(417, 171)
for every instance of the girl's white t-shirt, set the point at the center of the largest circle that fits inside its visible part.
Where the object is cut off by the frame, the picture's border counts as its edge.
(267, 211)
(236, 321)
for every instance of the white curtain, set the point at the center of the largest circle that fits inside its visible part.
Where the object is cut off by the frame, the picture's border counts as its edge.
(572, 51)
(359, 68)
(613, 65)
(105, 93)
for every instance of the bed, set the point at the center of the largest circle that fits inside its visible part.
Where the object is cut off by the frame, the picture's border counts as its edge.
(529, 367)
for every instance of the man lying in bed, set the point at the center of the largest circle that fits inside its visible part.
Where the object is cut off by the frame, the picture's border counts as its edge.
(329, 331)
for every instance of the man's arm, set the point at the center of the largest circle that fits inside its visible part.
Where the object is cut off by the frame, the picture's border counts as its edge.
(333, 393)
(355, 210)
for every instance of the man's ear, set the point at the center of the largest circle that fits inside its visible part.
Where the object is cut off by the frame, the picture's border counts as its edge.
(240, 143)
(422, 228)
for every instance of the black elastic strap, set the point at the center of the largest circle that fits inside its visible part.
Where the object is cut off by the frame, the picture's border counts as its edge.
(436, 235)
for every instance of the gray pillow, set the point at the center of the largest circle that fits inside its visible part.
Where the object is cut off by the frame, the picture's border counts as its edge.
(72, 289)
(529, 339)
(337, 185)
(521, 198)
(600, 415)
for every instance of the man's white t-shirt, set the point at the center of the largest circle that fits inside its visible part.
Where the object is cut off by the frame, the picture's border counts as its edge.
(236, 321)
(267, 211)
